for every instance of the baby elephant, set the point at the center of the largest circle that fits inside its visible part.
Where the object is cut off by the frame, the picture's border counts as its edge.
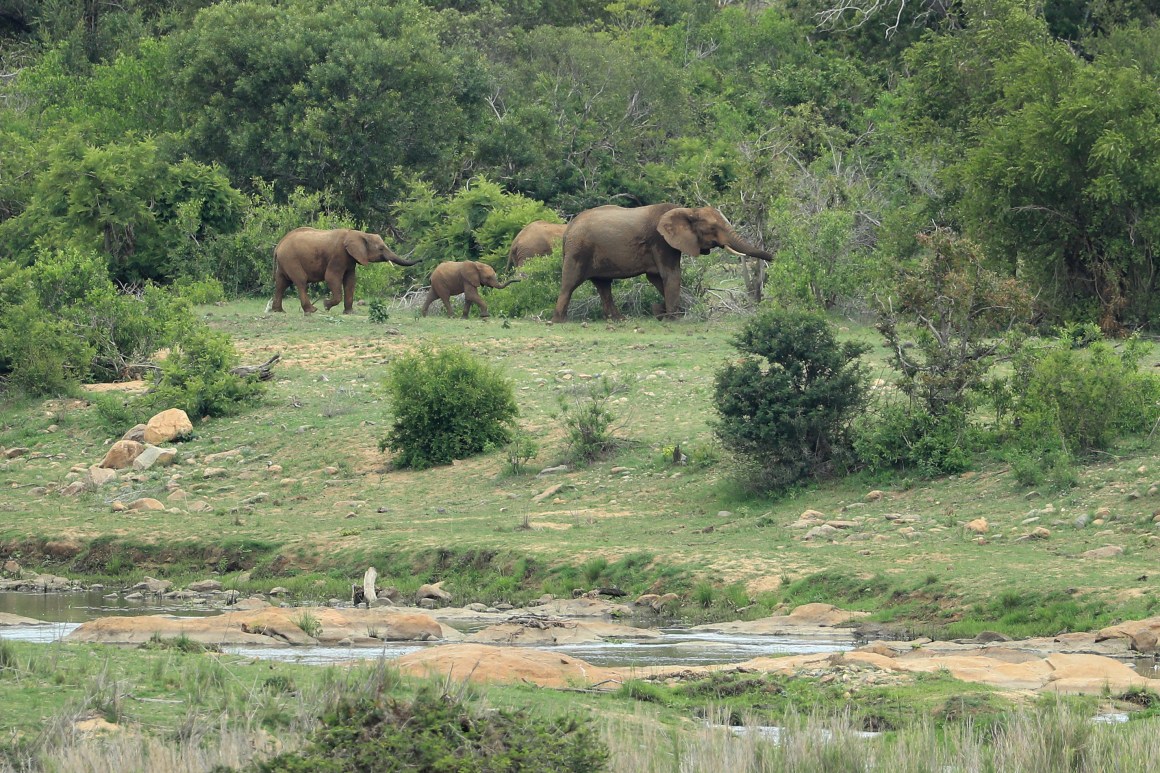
(462, 278)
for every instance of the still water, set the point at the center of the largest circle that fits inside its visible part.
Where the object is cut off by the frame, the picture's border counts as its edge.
(678, 646)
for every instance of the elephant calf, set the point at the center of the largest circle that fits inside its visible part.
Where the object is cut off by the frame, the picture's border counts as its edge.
(308, 255)
(462, 278)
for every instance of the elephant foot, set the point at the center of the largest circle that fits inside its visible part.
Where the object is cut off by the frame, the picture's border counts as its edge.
(309, 310)
(348, 311)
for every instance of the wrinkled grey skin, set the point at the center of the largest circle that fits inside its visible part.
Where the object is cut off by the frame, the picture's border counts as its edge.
(308, 255)
(536, 238)
(462, 278)
(612, 242)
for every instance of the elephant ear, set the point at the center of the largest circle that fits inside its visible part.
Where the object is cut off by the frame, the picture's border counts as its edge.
(677, 227)
(355, 243)
(473, 273)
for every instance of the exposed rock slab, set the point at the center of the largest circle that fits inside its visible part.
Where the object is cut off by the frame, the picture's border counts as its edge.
(808, 619)
(484, 663)
(268, 627)
(550, 632)
(7, 619)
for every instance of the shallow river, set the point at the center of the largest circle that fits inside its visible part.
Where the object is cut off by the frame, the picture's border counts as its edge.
(679, 646)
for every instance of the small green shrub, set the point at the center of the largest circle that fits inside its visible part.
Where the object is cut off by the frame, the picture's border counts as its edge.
(447, 405)
(521, 450)
(589, 419)
(377, 311)
(785, 407)
(439, 732)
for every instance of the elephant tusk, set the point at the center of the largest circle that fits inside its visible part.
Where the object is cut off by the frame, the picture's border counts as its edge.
(735, 252)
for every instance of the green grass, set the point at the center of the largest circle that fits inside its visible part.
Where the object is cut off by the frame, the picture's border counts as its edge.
(310, 501)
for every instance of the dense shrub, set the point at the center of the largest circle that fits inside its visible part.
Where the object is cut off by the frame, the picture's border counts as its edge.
(906, 436)
(535, 294)
(1076, 399)
(434, 732)
(447, 405)
(195, 376)
(785, 407)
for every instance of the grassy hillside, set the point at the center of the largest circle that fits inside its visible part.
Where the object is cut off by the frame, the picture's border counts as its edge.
(310, 501)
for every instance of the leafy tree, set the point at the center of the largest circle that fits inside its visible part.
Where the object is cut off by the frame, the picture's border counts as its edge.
(786, 405)
(341, 95)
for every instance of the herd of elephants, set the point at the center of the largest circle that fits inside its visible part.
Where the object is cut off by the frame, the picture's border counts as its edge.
(600, 245)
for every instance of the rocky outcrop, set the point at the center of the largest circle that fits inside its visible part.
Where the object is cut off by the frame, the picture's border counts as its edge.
(537, 631)
(168, 425)
(268, 627)
(513, 665)
(121, 454)
(807, 619)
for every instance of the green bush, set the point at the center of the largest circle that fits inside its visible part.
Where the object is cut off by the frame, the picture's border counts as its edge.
(785, 407)
(521, 450)
(535, 294)
(1080, 399)
(439, 732)
(447, 405)
(589, 420)
(907, 437)
(195, 376)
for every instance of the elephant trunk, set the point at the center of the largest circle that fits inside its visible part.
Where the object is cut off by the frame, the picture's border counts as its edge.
(739, 245)
(508, 282)
(401, 261)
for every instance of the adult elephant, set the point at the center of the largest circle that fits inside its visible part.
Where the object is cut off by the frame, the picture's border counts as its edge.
(536, 238)
(308, 255)
(612, 242)
(462, 278)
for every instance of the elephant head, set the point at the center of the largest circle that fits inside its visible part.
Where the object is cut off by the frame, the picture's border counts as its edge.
(370, 248)
(483, 275)
(697, 231)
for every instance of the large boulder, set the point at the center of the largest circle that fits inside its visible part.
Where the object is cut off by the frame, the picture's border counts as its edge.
(168, 425)
(518, 665)
(153, 456)
(121, 454)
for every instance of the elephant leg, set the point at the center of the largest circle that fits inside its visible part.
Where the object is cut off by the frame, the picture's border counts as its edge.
(658, 309)
(281, 282)
(334, 282)
(431, 296)
(672, 293)
(471, 295)
(447, 304)
(348, 291)
(569, 281)
(604, 288)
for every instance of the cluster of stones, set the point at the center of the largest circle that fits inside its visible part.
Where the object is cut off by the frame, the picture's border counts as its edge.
(137, 450)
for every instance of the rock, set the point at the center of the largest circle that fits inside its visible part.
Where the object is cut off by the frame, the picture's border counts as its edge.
(551, 470)
(168, 425)
(279, 591)
(724, 513)
(199, 506)
(1107, 551)
(152, 455)
(11, 567)
(874, 496)
(1104, 512)
(205, 586)
(119, 506)
(330, 470)
(219, 456)
(977, 526)
(428, 603)
(1144, 641)
(819, 532)
(152, 585)
(618, 470)
(988, 637)
(98, 476)
(137, 434)
(178, 495)
(121, 454)
(146, 503)
(12, 453)
(214, 472)
(1081, 521)
(433, 591)
(274, 469)
(75, 488)
(812, 515)
(550, 491)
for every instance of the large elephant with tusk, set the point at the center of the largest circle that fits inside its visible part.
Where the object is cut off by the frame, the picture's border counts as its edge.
(612, 242)
(308, 255)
